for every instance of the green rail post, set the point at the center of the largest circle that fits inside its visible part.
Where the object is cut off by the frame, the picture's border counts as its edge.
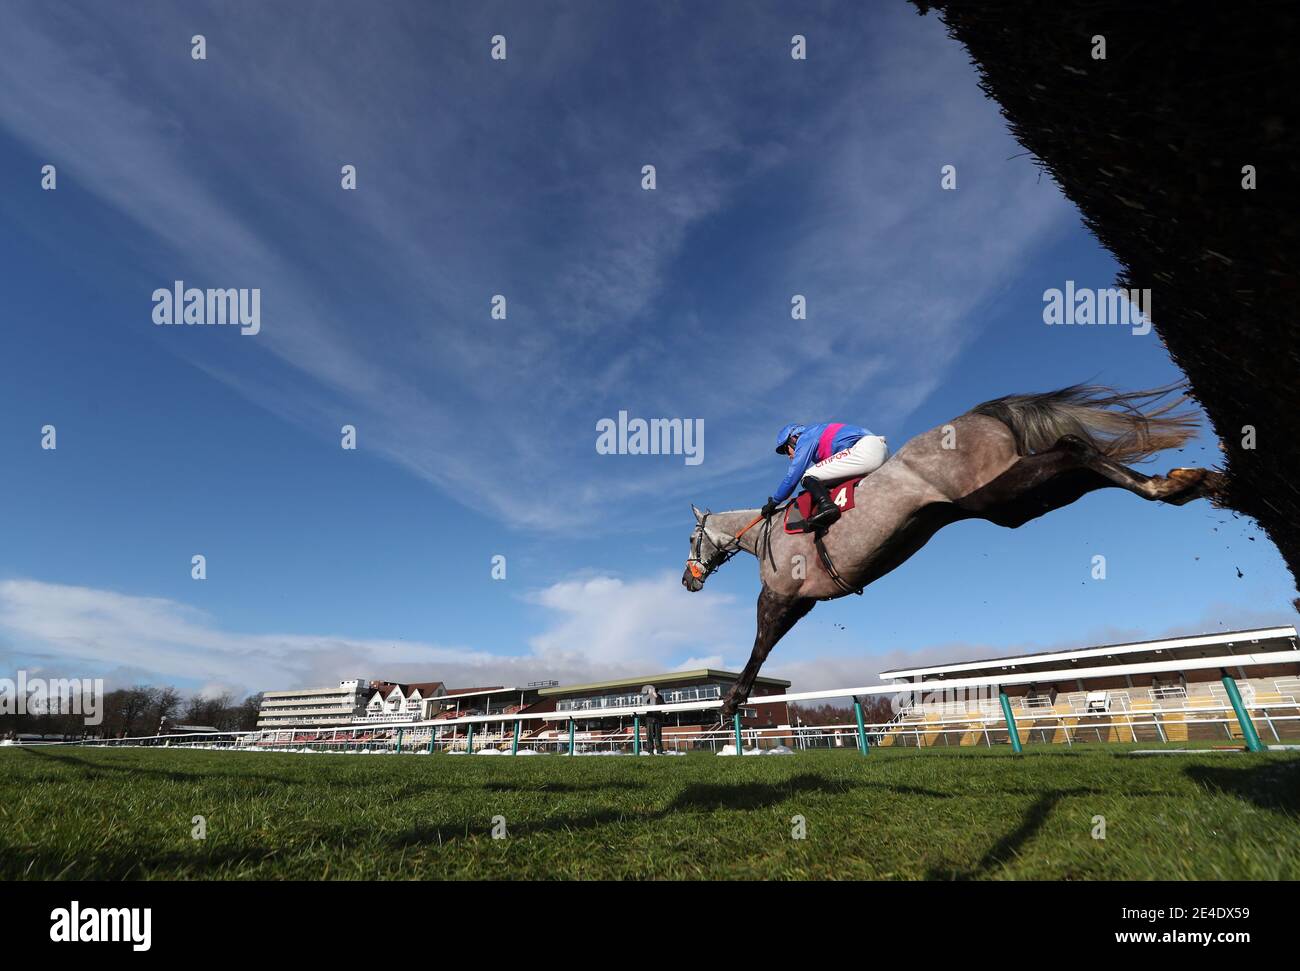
(1011, 721)
(1243, 717)
(570, 736)
(739, 749)
(399, 741)
(432, 734)
(636, 734)
(514, 743)
(469, 741)
(862, 728)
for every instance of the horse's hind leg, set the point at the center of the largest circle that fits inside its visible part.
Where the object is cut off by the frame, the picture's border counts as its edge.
(1178, 487)
(776, 615)
(1070, 469)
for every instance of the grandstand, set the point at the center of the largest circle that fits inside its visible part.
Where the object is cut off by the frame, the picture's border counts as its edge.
(314, 707)
(1167, 690)
(599, 715)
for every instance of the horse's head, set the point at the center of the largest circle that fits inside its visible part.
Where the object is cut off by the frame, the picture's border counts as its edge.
(707, 554)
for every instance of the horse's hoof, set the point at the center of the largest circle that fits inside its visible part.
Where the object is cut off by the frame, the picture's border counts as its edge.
(1195, 484)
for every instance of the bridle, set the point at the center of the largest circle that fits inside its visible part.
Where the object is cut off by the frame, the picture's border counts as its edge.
(697, 564)
(699, 567)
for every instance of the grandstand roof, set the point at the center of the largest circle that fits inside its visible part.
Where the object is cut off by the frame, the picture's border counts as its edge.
(1258, 640)
(424, 687)
(462, 692)
(334, 690)
(656, 679)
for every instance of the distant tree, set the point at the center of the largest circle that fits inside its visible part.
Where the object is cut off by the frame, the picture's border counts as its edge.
(219, 711)
(138, 711)
(133, 707)
(167, 702)
(875, 710)
(247, 718)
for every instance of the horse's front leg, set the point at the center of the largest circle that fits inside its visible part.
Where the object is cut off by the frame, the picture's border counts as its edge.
(777, 613)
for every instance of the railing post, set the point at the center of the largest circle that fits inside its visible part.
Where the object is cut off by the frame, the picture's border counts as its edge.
(736, 721)
(570, 736)
(1243, 717)
(862, 728)
(636, 734)
(432, 734)
(514, 744)
(1011, 721)
(469, 740)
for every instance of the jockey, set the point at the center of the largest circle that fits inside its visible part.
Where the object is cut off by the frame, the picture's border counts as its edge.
(824, 454)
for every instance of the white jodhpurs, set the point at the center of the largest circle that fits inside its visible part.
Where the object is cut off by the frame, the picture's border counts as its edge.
(861, 458)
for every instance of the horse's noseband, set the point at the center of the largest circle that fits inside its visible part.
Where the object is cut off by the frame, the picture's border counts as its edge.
(700, 567)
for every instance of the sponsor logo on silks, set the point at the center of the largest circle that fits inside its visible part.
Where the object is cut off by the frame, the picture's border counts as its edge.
(76, 924)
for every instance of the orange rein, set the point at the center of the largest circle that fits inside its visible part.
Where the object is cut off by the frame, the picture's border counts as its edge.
(756, 520)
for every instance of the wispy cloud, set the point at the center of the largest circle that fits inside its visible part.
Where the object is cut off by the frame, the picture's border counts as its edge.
(521, 178)
(592, 628)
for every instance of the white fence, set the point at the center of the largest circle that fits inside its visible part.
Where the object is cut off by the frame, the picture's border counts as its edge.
(914, 726)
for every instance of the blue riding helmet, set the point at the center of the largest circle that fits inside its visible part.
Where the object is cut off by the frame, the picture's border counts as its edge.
(794, 428)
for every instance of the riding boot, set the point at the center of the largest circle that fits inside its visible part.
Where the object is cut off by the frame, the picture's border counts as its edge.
(824, 511)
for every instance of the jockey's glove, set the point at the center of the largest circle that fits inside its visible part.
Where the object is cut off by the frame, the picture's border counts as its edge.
(769, 509)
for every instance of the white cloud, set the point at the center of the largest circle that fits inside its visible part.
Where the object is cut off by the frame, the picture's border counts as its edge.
(89, 631)
(598, 627)
(638, 623)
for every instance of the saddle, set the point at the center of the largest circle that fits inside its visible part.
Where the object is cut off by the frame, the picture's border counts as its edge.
(798, 511)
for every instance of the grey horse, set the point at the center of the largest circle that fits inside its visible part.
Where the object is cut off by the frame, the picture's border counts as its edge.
(1008, 461)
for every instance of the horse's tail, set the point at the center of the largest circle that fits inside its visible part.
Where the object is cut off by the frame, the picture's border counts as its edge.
(1127, 426)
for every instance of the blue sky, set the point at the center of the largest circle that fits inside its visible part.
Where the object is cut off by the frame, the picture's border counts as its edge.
(476, 437)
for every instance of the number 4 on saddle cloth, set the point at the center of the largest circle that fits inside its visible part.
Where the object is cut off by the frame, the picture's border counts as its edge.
(798, 511)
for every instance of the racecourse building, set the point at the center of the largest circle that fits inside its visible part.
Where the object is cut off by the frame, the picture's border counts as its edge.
(1173, 689)
(598, 713)
(585, 702)
(392, 702)
(315, 707)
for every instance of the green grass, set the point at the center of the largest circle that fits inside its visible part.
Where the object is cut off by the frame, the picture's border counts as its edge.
(943, 814)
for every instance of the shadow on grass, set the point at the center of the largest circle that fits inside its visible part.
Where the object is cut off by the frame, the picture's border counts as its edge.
(90, 769)
(133, 864)
(542, 787)
(694, 798)
(1273, 785)
(1008, 847)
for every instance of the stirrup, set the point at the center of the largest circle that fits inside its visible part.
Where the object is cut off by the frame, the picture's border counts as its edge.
(824, 512)
(824, 516)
